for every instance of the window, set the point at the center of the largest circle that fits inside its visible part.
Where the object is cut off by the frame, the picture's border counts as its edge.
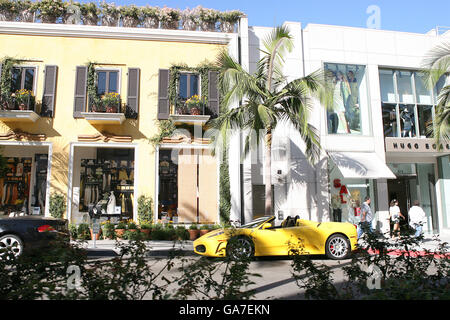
(23, 78)
(189, 85)
(350, 114)
(107, 81)
(407, 103)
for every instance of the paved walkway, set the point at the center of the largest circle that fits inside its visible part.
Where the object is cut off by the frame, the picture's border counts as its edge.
(107, 248)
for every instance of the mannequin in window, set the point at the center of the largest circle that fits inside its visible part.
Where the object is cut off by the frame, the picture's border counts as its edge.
(352, 105)
(408, 123)
(341, 94)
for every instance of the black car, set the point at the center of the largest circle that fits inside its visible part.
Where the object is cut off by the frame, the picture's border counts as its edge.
(21, 234)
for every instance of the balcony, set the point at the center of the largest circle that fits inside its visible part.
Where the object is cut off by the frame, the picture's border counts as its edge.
(18, 108)
(106, 110)
(192, 111)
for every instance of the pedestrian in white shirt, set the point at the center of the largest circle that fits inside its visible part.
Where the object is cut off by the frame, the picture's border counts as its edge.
(395, 215)
(417, 218)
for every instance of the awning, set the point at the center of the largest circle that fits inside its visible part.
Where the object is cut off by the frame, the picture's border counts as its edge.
(361, 165)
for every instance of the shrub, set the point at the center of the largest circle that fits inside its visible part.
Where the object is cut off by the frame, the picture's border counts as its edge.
(83, 232)
(109, 230)
(73, 231)
(57, 205)
(145, 212)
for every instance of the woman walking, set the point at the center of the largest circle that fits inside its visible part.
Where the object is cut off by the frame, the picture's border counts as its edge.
(395, 215)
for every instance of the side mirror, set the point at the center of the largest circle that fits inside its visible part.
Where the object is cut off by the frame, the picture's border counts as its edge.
(266, 226)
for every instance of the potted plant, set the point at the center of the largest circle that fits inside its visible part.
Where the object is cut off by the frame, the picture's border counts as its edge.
(193, 232)
(73, 230)
(51, 10)
(204, 229)
(110, 14)
(83, 232)
(26, 10)
(121, 227)
(130, 16)
(182, 233)
(89, 13)
(208, 19)
(195, 105)
(132, 226)
(170, 18)
(57, 205)
(150, 17)
(190, 19)
(111, 102)
(108, 230)
(24, 99)
(146, 229)
(8, 10)
(228, 20)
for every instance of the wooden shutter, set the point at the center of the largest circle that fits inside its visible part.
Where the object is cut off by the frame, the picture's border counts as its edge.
(213, 94)
(133, 93)
(79, 104)
(163, 95)
(48, 100)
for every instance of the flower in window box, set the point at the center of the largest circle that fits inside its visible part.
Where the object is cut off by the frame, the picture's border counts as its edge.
(195, 105)
(24, 99)
(150, 17)
(130, 15)
(208, 19)
(89, 13)
(170, 18)
(111, 101)
(110, 14)
(51, 10)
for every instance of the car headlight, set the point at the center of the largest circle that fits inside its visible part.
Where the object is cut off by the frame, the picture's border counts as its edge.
(216, 234)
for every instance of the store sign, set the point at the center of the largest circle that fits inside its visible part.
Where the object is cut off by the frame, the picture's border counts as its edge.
(343, 190)
(413, 145)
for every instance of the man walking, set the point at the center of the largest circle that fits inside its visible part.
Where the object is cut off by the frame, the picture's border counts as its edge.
(417, 218)
(366, 218)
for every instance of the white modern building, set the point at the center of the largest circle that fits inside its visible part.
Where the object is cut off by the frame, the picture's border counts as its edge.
(374, 143)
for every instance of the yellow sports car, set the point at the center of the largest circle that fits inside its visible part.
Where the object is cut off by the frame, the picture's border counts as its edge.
(262, 238)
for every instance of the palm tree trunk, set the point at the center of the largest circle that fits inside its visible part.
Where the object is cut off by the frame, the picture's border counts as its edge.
(268, 172)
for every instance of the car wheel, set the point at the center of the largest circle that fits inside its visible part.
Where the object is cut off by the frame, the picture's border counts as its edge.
(337, 247)
(240, 248)
(12, 244)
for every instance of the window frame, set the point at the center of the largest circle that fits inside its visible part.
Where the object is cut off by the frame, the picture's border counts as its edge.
(108, 71)
(22, 76)
(188, 90)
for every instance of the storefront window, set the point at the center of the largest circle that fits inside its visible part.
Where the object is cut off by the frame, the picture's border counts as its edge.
(414, 110)
(444, 181)
(347, 196)
(390, 120)
(350, 99)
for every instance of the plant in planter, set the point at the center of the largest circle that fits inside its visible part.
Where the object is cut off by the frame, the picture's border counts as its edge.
(132, 226)
(57, 205)
(182, 233)
(145, 205)
(204, 229)
(110, 14)
(90, 13)
(26, 10)
(73, 230)
(193, 232)
(121, 227)
(83, 232)
(150, 17)
(130, 15)
(24, 99)
(51, 10)
(158, 232)
(208, 19)
(228, 20)
(195, 105)
(146, 228)
(190, 19)
(111, 102)
(108, 230)
(8, 10)
(170, 233)
(170, 18)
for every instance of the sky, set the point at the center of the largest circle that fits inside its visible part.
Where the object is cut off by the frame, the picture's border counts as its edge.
(399, 15)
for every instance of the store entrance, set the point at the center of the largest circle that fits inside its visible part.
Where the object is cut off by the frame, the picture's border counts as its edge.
(404, 190)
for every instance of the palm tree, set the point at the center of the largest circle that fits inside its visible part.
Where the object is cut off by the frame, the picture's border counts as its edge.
(268, 99)
(437, 66)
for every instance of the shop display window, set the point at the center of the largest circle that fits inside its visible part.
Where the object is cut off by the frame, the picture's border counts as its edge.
(109, 177)
(350, 111)
(15, 186)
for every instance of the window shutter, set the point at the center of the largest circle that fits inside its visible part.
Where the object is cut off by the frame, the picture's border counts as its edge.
(133, 93)
(213, 94)
(80, 91)
(1, 65)
(163, 95)
(48, 100)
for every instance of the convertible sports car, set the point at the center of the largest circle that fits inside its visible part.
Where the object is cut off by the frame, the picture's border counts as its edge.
(262, 238)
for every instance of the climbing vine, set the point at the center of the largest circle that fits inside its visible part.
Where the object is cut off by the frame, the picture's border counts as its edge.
(6, 76)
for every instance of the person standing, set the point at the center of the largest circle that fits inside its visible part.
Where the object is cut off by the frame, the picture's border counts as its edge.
(417, 218)
(395, 215)
(366, 218)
